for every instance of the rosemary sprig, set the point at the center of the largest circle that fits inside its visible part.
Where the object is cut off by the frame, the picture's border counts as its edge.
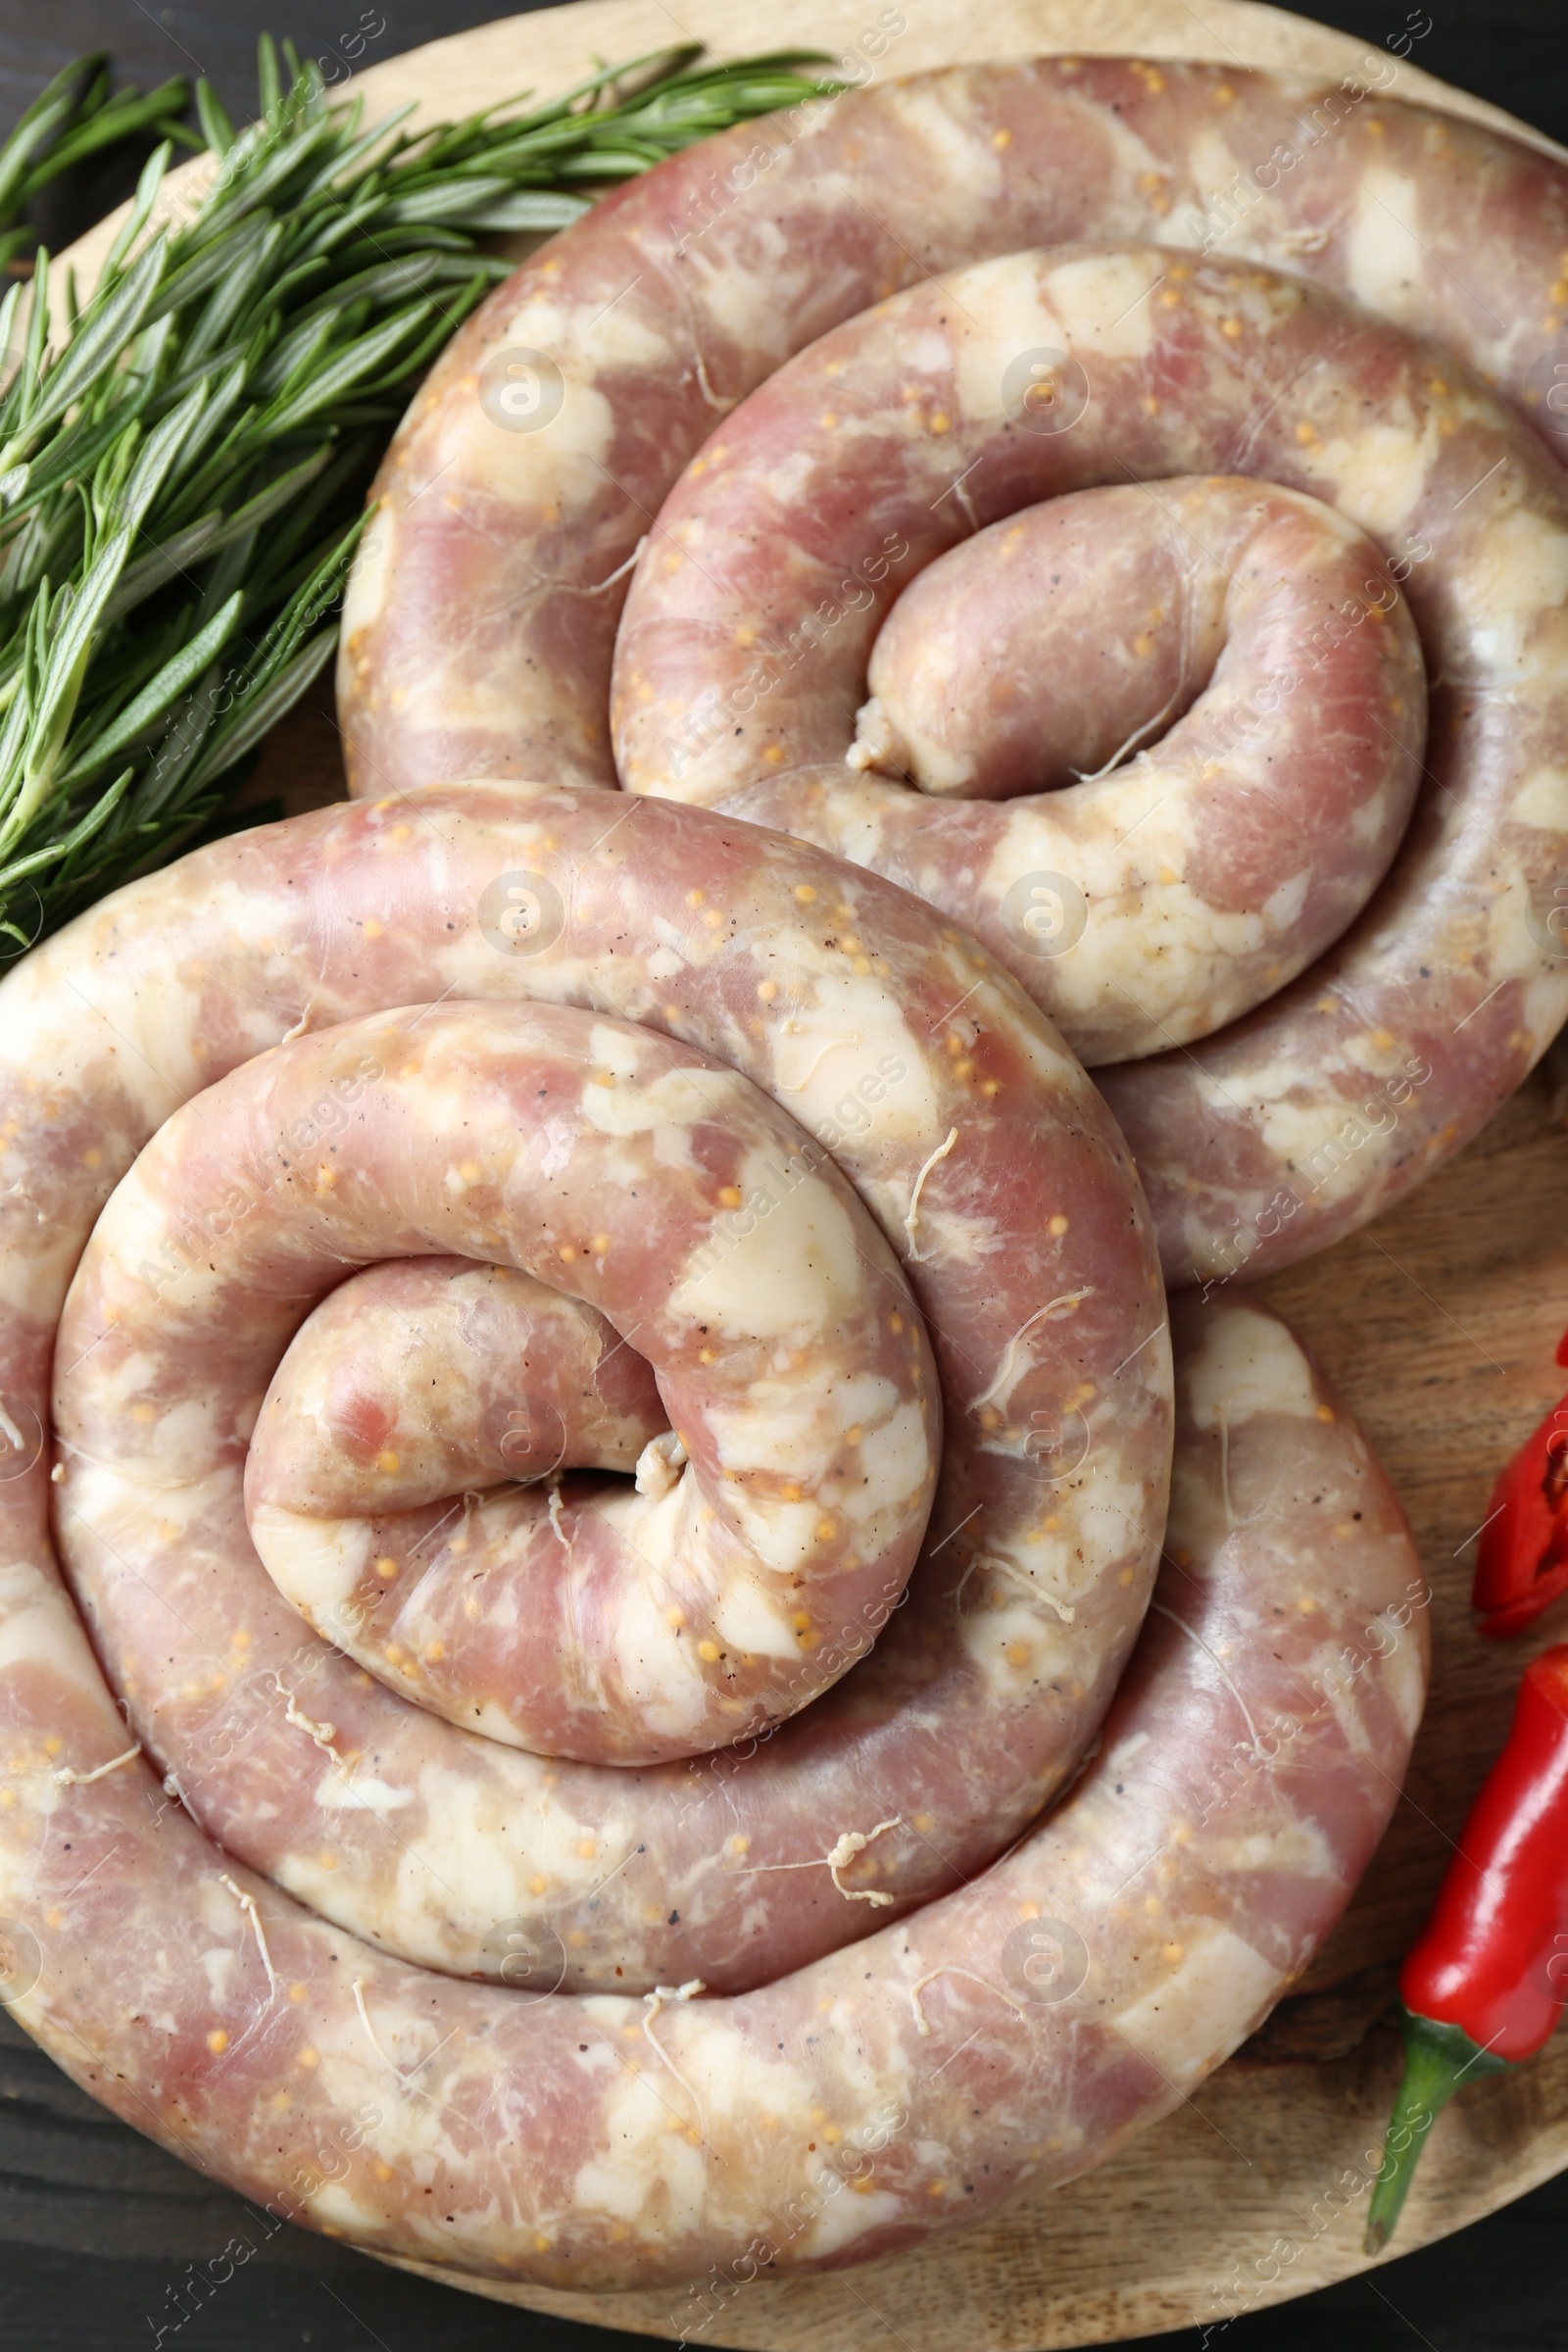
(75, 117)
(181, 481)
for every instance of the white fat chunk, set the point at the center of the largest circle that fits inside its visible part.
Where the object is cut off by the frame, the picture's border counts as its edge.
(1204, 2007)
(796, 1270)
(1249, 1365)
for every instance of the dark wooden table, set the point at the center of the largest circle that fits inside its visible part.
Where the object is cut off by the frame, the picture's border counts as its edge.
(101, 2235)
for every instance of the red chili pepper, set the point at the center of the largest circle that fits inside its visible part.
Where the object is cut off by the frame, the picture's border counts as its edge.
(1489, 1978)
(1523, 1560)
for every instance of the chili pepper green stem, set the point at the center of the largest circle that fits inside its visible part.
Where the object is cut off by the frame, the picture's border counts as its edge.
(1437, 2059)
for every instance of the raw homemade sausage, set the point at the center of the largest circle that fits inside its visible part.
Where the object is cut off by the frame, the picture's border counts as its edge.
(907, 1063)
(1179, 887)
(1195, 885)
(480, 626)
(1016, 2030)
(1253, 368)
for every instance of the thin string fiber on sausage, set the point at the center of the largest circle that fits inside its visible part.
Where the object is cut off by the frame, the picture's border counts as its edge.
(1017, 2029)
(507, 1024)
(481, 626)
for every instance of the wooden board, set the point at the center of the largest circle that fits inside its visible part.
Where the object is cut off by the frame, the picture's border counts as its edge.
(1439, 1323)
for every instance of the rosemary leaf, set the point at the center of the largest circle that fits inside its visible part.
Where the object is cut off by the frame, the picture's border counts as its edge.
(349, 368)
(532, 208)
(214, 119)
(140, 717)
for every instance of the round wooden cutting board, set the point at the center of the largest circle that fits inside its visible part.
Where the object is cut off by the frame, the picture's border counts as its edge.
(1439, 1323)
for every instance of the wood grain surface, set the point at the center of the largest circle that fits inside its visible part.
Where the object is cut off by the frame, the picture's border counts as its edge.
(1439, 1323)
